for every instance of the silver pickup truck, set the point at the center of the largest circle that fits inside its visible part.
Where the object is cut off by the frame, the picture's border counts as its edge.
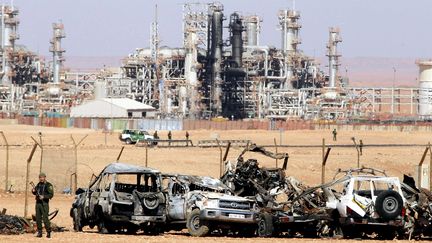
(204, 205)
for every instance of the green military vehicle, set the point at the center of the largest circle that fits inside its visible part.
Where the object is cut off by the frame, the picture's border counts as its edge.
(131, 136)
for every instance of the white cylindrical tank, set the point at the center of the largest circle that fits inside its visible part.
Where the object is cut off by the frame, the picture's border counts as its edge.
(425, 85)
(100, 90)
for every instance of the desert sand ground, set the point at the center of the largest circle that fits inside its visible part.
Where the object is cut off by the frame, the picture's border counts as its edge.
(97, 150)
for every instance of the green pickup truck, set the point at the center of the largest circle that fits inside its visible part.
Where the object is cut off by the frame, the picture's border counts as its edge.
(131, 136)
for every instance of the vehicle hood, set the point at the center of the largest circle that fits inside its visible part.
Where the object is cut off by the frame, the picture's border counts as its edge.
(215, 195)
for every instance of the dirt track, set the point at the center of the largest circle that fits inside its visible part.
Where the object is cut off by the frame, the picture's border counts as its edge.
(304, 164)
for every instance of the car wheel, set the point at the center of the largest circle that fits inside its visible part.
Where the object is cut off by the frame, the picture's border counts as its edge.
(194, 224)
(389, 204)
(104, 226)
(76, 220)
(265, 225)
(128, 141)
(151, 202)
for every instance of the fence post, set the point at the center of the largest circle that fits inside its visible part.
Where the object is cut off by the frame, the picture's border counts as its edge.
(220, 157)
(146, 154)
(7, 162)
(27, 179)
(430, 166)
(420, 165)
(120, 154)
(41, 153)
(323, 167)
(76, 160)
(276, 150)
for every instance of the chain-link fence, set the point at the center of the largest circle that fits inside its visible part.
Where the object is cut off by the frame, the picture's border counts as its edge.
(59, 164)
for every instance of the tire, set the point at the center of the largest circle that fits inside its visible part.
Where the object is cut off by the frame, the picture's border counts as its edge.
(389, 204)
(77, 225)
(265, 225)
(104, 226)
(151, 202)
(128, 141)
(195, 226)
(101, 227)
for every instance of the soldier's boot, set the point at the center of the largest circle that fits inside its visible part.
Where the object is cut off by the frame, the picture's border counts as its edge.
(48, 234)
(39, 234)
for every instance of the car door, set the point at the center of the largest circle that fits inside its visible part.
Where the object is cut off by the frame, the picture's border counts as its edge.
(176, 201)
(93, 195)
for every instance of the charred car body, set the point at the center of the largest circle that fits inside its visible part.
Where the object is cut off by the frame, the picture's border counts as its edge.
(204, 204)
(361, 202)
(122, 197)
(266, 185)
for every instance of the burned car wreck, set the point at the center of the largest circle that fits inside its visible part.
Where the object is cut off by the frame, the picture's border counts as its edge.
(362, 203)
(273, 191)
(122, 197)
(204, 205)
(251, 200)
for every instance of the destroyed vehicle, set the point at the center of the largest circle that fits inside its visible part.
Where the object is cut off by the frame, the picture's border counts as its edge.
(123, 197)
(358, 204)
(133, 136)
(247, 178)
(419, 213)
(204, 205)
(304, 216)
(368, 203)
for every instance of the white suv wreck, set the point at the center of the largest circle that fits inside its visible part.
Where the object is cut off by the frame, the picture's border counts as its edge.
(368, 204)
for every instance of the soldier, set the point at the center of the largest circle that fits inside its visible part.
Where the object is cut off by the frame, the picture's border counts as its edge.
(187, 138)
(334, 134)
(155, 137)
(43, 191)
(361, 147)
(169, 138)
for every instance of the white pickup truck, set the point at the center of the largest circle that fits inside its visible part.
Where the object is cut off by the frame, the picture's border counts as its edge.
(203, 205)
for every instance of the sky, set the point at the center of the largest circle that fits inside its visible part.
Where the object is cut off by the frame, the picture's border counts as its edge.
(369, 28)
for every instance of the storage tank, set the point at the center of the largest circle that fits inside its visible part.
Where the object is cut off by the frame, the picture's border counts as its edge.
(425, 85)
(100, 90)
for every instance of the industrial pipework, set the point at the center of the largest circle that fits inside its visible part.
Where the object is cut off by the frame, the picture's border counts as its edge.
(236, 29)
(216, 57)
(290, 26)
(333, 55)
(253, 29)
(9, 25)
(57, 51)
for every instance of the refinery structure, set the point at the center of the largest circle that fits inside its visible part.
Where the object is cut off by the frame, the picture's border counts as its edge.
(221, 69)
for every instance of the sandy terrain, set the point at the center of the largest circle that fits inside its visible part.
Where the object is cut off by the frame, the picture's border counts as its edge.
(94, 154)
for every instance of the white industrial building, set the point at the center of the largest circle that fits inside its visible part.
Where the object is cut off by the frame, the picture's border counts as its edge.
(113, 108)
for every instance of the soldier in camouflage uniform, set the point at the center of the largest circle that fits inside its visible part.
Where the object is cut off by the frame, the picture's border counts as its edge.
(43, 191)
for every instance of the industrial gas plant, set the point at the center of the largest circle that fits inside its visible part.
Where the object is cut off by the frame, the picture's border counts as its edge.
(221, 70)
